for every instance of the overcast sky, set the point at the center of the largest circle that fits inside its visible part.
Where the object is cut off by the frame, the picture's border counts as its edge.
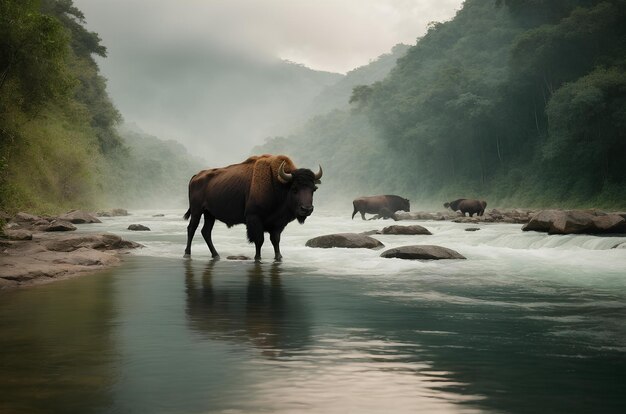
(330, 35)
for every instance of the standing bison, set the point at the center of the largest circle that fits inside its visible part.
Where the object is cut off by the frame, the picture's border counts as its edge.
(467, 206)
(264, 192)
(384, 205)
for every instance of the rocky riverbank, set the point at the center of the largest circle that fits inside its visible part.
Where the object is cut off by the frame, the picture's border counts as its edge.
(41, 249)
(550, 221)
(512, 216)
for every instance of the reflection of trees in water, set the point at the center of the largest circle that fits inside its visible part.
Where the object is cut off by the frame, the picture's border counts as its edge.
(56, 349)
(263, 314)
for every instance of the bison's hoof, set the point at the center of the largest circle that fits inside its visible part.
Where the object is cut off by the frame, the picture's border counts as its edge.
(187, 256)
(215, 257)
(278, 259)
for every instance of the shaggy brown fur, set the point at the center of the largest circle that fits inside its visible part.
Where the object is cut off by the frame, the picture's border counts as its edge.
(467, 206)
(384, 205)
(250, 192)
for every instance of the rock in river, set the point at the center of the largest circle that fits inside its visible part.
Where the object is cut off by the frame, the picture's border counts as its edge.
(576, 222)
(414, 229)
(78, 217)
(138, 227)
(422, 252)
(347, 240)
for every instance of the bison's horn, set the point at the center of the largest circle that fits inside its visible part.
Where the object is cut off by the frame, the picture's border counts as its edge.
(318, 174)
(282, 174)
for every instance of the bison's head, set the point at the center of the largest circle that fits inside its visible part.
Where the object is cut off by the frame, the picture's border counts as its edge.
(301, 184)
(406, 205)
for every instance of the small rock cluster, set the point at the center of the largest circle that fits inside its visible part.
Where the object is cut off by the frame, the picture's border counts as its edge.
(32, 250)
(513, 216)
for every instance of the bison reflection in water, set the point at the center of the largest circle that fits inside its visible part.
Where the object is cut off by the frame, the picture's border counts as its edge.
(262, 313)
(465, 205)
(265, 192)
(383, 205)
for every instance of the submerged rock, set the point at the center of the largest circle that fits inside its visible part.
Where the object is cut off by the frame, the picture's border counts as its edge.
(414, 229)
(422, 252)
(345, 240)
(472, 229)
(240, 257)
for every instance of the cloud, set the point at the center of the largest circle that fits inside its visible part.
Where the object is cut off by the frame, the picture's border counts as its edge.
(327, 35)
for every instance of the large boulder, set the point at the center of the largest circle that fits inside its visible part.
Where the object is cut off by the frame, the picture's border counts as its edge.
(422, 252)
(87, 257)
(576, 222)
(25, 218)
(101, 241)
(610, 223)
(18, 235)
(58, 225)
(346, 240)
(414, 229)
(78, 217)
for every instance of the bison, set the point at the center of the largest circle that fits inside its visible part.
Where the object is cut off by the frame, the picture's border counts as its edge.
(264, 192)
(384, 205)
(467, 206)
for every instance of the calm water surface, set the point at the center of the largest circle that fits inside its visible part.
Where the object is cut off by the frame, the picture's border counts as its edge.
(528, 324)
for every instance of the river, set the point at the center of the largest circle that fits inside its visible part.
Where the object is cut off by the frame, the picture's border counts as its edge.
(529, 323)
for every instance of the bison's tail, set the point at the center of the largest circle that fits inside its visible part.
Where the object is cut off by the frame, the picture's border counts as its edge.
(187, 214)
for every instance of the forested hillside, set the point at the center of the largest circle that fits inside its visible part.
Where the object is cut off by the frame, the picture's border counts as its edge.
(520, 102)
(59, 147)
(337, 95)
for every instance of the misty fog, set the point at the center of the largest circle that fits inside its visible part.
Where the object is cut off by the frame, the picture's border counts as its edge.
(215, 75)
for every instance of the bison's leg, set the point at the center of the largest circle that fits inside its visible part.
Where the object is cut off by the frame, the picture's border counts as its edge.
(363, 215)
(254, 227)
(275, 239)
(191, 230)
(385, 213)
(209, 221)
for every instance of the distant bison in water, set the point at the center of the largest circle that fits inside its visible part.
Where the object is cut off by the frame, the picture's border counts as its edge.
(467, 206)
(384, 205)
(265, 192)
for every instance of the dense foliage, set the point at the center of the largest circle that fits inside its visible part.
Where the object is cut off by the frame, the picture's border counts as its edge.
(521, 102)
(59, 147)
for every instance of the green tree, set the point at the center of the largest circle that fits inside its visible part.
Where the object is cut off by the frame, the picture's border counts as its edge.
(33, 48)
